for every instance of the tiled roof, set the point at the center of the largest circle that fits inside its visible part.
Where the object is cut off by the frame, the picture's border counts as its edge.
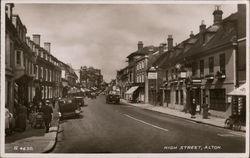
(218, 36)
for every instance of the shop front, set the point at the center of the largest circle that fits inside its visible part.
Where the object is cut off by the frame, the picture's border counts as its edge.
(237, 100)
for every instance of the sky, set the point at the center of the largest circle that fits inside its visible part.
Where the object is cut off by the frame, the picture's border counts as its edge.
(103, 35)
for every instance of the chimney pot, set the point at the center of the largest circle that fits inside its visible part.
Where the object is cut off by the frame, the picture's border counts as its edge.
(47, 46)
(36, 39)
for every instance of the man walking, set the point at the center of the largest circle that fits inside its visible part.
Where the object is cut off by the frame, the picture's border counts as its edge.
(47, 115)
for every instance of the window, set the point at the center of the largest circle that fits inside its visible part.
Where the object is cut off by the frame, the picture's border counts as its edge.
(176, 97)
(166, 73)
(172, 74)
(143, 64)
(181, 97)
(36, 71)
(194, 68)
(222, 63)
(201, 68)
(41, 70)
(18, 57)
(217, 99)
(50, 75)
(211, 64)
(143, 78)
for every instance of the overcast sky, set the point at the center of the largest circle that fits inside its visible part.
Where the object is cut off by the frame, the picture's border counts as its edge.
(103, 35)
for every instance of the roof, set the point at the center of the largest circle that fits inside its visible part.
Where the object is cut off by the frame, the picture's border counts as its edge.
(216, 36)
(145, 50)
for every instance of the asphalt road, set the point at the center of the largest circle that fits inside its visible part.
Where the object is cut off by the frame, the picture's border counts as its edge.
(111, 128)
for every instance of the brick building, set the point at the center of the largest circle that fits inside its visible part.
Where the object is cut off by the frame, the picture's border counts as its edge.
(207, 66)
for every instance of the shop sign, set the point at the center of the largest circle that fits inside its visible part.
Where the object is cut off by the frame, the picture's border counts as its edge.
(152, 75)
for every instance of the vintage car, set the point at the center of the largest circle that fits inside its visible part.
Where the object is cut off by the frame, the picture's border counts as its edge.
(113, 98)
(79, 100)
(68, 108)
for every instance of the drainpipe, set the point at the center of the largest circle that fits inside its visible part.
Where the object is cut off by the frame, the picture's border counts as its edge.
(146, 80)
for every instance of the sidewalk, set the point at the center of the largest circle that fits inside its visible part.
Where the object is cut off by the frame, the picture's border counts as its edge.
(33, 140)
(214, 121)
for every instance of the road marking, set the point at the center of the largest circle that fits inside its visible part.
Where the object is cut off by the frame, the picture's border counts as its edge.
(231, 134)
(146, 123)
(225, 135)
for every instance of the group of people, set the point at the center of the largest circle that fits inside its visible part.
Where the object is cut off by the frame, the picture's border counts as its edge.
(30, 112)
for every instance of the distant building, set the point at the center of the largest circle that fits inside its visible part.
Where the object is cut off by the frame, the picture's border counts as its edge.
(90, 78)
(68, 78)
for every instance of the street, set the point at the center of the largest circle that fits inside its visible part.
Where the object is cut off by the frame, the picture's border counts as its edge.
(111, 128)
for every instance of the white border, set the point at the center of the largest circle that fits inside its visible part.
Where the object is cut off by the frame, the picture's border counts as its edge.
(177, 155)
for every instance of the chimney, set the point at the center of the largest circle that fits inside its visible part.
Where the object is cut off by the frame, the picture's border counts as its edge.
(47, 46)
(161, 48)
(170, 42)
(217, 15)
(36, 39)
(202, 32)
(8, 10)
(191, 34)
(140, 45)
(202, 26)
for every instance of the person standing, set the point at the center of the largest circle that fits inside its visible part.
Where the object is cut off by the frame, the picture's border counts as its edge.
(47, 115)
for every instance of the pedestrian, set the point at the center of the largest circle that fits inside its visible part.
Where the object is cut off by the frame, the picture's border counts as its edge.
(47, 115)
(193, 108)
(21, 118)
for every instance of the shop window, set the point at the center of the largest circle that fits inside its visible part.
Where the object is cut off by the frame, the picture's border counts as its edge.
(222, 63)
(211, 64)
(217, 99)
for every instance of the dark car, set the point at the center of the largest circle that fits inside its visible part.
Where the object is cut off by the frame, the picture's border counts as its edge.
(68, 108)
(79, 100)
(113, 98)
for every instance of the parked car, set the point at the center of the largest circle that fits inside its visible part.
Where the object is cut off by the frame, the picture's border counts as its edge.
(68, 108)
(79, 100)
(93, 95)
(113, 98)
(9, 122)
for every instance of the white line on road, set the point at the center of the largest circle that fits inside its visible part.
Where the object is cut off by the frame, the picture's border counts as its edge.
(146, 123)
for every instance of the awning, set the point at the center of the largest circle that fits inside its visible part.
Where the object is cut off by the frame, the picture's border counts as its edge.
(131, 90)
(239, 91)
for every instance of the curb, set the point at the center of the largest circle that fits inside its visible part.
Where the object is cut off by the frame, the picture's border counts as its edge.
(182, 117)
(52, 143)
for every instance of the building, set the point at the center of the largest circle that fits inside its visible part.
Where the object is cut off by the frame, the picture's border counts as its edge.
(207, 66)
(32, 72)
(133, 78)
(68, 78)
(47, 71)
(91, 78)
